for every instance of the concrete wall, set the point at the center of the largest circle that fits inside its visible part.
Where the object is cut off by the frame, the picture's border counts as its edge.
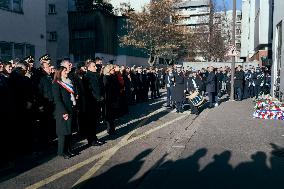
(123, 59)
(277, 18)
(245, 28)
(251, 28)
(199, 65)
(29, 27)
(58, 23)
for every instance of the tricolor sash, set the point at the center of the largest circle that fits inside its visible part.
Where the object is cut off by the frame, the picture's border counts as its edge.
(66, 86)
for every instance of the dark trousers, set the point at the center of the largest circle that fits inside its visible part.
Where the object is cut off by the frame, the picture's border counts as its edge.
(212, 99)
(257, 90)
(169, 96)
(179, 106)
(239, 93)
(64, 144)
(246, 91)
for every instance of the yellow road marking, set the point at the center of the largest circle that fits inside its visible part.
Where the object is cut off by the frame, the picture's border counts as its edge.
(106, 153)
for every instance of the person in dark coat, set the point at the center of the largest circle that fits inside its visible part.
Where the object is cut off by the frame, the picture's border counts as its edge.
(259, 82)
(178, 89)
(45, 105)
(169, 82)
(239, 83)
(152, 82)
(81, 102)
(65, 100)
(219, 78)
(23, 98)
(112, 92)
(94, 96)
(211, 86)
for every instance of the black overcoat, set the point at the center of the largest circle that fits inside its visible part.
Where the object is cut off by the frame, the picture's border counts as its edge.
(211, 83)
(63, 105)
(178, 89)
(239, 79)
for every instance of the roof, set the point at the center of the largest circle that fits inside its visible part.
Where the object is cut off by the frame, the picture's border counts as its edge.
(194, 3)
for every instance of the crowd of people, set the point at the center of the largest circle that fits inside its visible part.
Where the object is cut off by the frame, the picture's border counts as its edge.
(41, 104)
(214, 83)
(45, 103)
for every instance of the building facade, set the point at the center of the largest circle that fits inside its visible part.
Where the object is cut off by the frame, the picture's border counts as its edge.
(278, 50)
(23, 29)
(226, 21)
(96, 34)
(257, 30)
(57, 33)
(194, 13)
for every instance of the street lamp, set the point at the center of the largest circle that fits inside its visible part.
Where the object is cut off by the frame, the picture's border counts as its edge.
(233, 57)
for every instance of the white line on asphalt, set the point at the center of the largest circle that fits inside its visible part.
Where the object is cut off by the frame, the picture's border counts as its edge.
(106, 153)
(157, 102)
(103, 133)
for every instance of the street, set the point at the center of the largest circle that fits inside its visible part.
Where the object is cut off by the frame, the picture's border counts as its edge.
(155, 147)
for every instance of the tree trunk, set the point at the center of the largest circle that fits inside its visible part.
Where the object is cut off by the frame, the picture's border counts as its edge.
(152, 60)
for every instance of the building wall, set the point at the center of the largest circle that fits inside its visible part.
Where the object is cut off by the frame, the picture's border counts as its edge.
(28, 27)
(278, 17)
(251, 28)
(57, 22)
(194, 12)
(200, 65)
(245, 28)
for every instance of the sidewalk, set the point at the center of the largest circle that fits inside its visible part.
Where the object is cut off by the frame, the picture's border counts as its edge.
(229, 149)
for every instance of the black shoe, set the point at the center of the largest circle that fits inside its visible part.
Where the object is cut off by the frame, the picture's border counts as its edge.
(97, 143)
(72, 154)
(65, 156)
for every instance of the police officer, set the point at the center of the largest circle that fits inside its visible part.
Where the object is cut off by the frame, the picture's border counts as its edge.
(178, 89)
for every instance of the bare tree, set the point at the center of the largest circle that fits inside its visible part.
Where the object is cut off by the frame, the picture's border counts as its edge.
(209, 40)
(155, 30)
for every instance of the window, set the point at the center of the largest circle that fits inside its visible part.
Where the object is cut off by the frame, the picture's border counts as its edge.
(5, 4)
(6, 51)
(52, 36)
(17, 6)
(19, 50)
(51, 9)
(10, 50)
(30, 50)
(12, 5)
(84, 34)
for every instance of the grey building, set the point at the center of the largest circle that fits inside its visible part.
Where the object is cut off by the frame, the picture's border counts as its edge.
(57, 32)
(278, 50)
(23, 29)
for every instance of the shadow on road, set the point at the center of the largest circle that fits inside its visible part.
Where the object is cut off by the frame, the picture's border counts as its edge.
(30, 161)
(186, 173)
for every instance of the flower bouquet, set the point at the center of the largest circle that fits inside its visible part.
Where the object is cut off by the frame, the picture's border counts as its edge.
(267, 107)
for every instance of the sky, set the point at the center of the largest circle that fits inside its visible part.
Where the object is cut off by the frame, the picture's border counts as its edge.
(137, 4)
(229, 4)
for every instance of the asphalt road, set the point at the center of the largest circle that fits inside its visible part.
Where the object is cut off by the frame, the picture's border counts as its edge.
(155, 147)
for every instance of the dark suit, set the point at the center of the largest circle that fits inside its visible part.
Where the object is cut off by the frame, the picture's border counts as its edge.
(169, 85)
(63, 105)
(239, 84)
(211, 87)
(178, 90)
(93, 86)
(112, 92)
(45, 102)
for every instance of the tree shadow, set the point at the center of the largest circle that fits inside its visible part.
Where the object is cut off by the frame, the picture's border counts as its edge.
(186, 173)
(27, 162)
(118, 175)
